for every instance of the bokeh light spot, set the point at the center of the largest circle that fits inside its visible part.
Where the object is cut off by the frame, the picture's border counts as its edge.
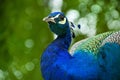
(115, 14)
(2, 76)
(96, 8)
(55, 5)
(88, 24)
(29, 43)
(30, 66)
(114, 24)
(72, 15)
(18, 74)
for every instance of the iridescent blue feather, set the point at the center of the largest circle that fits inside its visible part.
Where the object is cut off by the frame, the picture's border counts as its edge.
(97, 58)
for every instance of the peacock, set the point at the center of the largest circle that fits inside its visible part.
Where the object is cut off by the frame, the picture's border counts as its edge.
(95, 58)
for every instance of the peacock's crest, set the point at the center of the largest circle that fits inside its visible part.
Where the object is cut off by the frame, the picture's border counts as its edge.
(74, 29)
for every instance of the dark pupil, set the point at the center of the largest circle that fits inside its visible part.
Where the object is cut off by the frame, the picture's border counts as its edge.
(61, 17)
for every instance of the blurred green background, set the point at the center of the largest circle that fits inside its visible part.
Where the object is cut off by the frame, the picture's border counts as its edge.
(24, 36)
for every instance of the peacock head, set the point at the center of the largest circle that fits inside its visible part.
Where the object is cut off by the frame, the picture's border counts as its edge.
(58, 23)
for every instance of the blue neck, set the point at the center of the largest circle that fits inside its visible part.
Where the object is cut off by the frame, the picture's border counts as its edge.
(57, 51)
(63, 41)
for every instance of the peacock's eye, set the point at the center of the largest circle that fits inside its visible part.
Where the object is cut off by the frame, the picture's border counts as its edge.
(61, 17)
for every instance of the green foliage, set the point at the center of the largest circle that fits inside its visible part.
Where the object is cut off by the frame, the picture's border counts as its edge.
(24, 36)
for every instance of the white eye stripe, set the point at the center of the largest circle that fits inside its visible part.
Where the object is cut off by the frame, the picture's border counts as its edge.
(56, 16)
(63, 21)
(60, 22)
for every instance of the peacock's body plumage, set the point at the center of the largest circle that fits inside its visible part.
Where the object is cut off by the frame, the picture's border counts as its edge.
(96, 58)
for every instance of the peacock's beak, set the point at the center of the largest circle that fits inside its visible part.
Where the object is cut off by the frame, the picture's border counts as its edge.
(47, 19)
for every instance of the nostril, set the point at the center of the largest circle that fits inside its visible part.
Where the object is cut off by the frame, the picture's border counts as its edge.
(49, 16)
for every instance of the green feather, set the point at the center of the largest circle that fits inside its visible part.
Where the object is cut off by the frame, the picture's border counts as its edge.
(90, 45)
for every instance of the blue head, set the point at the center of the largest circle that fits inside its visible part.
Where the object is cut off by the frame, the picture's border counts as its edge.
(58, 23)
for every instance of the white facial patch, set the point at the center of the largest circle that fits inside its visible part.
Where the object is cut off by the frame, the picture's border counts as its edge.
(56, 16)
(63, 21)
(60, 22)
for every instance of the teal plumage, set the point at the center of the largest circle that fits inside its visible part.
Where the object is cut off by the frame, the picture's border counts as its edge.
(94, 43)
(95, 58)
